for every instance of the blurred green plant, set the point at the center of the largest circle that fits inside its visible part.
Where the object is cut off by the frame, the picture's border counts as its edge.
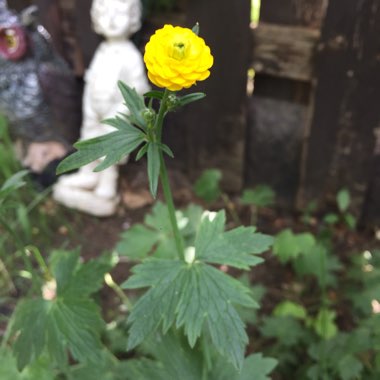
(207, 186)
(343, 201)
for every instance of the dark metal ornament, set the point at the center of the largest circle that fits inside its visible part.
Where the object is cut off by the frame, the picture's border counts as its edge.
(39, 94)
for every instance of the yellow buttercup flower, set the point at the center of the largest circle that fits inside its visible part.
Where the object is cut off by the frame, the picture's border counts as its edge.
(177, 58)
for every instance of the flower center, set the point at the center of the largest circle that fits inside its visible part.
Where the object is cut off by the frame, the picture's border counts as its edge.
(179, 50)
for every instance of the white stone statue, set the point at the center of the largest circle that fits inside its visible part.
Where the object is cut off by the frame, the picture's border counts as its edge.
(116, 58)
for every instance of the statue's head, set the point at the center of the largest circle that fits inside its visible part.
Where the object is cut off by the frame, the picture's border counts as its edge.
(116, 18)
(13, 42)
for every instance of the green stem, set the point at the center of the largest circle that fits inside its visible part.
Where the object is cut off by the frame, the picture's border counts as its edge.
(171, 209)
(40, 260)
(116, 288)
(7, 276)
(322, 349)
(161, 115)
(165, 179)
(7, 333)
(207, 365)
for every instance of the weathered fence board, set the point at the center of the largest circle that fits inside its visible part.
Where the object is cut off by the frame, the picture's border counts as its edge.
(284, 51)
(308, 13)
(341, 143)
(279, 107)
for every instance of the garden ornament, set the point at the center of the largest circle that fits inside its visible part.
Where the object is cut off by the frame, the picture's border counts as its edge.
(38, 92)
(117, 58)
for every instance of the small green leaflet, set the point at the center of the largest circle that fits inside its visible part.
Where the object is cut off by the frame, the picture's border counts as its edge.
(195, 28)
(135, 104)
(71, 320)
(320, 263)
(290, 309)
(324, 324)
(189, 296)
(13, 183)
(288, 246)
(153, 167)
(260, 196)
(113, 146)
(190, 98)
(207, 185)
(154, 95)
(343, 200)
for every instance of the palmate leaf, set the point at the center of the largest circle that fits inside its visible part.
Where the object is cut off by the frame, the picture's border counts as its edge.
(194, 295)
(71, 320)
(113, 146)
(189, 296)
(236, 248)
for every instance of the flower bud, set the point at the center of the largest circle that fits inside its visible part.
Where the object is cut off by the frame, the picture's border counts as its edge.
(148, 114)
(172, 102)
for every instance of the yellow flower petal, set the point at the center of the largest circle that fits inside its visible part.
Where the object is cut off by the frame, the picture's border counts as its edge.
(177, 58)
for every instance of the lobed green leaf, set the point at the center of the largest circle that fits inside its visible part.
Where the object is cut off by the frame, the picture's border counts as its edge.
(71, 320)
(235, 248)
(189, 296)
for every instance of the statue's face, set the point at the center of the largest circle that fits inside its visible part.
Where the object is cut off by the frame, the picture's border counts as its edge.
(111, 18)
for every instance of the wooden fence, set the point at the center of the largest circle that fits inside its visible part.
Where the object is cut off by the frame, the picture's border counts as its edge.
(310, 126)
(314, 114)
